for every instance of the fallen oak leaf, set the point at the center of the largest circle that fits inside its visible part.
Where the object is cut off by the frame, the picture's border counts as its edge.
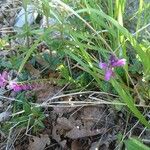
(65, 123)
(76, 145)
(39, 143)
(34, 72)
(76, 133)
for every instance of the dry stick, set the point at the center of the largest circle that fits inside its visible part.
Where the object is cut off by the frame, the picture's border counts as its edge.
(7, 31)
(9, 136)
(79, 93)
(72, 103)
(142, 132)
(15, 138)
(10, 99)
(81, 103)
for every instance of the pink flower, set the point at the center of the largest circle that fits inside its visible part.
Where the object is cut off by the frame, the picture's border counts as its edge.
(17, 87)
(108, 67)
(3, 79)
(14, 86)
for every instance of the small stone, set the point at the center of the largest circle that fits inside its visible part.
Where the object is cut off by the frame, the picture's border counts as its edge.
(11, 21)
(12, 14)
(1, 15)
(1, 104)
(3, 8)
(1, 26)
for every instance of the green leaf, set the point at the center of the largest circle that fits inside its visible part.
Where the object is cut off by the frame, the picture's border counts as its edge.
(36, 111)
(27, 108)
(134, 144)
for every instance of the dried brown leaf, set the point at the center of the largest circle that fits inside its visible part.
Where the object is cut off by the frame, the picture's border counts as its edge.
(39, 143)
(76, 145)
(65, 123)
(76, 133)
(34, 72)
(56, 134)
(46, 91)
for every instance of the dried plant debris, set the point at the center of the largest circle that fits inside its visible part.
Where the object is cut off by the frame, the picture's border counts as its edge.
(8, 11)
(84, 122)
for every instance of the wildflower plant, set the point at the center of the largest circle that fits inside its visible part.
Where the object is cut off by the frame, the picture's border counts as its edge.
(13, 84)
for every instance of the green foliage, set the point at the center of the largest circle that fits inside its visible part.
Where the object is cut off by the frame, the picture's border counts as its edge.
(30, 116)
(83, 56)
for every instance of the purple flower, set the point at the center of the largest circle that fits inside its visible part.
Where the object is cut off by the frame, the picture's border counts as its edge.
(115, 62)
(3, 79)
(108, 67)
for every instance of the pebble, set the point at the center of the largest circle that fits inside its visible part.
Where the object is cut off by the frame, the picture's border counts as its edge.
(1, 26)
(1, 104)
(12, 14)
(11, 21)
(1, 16)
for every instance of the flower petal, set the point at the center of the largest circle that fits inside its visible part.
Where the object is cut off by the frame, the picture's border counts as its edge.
(108, 74)
(119, 62)
(103, 65)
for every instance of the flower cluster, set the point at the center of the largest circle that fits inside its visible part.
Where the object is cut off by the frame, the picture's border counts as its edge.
(108, 67)
(13, 85)
(17, 87)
